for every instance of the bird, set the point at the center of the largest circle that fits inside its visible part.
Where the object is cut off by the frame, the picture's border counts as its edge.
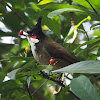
(44, 49)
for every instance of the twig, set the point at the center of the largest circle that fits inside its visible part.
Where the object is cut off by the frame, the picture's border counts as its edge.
(28, 91)
(87, 36)
(5, 3)
(72, 18)
(39, 87)
(37, 94)
(73, 24)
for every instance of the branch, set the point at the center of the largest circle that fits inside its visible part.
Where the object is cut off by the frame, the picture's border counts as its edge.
(45, 75)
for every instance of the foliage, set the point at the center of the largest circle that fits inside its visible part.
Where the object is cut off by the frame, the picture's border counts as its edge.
(19, 72)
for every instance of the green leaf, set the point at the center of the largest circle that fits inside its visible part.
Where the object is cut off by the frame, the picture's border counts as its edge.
(94, 3)
(35, 7)
(90, 67)
(88, 42)
(7, 34)
(98, 53)
(53, 24)
(18, 58)
(56, 6)
(45, 2)
(39, 0)
(82, 87)
(29, 81)
(12, 74)
(59, 11)
(60, 8)
(34, 73)
(9, 21)
(2, 75)
(95, 26)
(5, 47)
(37, 77)
(27, 65)
(19, 4)
(97, 31)
(2, 8)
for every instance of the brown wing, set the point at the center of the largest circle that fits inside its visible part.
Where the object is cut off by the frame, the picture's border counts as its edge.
(60, 53)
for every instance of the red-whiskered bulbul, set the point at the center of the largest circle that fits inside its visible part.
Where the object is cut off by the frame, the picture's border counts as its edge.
(44, 49)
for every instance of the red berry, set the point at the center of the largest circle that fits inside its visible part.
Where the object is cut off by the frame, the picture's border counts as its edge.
(35, 37)
(51, 60)
(21, 32)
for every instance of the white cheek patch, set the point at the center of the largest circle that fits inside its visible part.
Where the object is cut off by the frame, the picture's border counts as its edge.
(34, 40)
(25, 33)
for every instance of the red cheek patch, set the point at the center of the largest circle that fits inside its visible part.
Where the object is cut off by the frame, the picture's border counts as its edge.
(35, 37)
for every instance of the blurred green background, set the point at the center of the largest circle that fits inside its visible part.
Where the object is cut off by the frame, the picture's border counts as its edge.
(59, 18)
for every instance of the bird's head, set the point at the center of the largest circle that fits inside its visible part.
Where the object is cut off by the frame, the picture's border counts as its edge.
(35, 35)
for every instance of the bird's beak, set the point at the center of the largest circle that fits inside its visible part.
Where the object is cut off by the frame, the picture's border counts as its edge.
(23, 33)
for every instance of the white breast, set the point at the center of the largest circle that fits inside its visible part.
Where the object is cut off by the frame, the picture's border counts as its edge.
(33, 46)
